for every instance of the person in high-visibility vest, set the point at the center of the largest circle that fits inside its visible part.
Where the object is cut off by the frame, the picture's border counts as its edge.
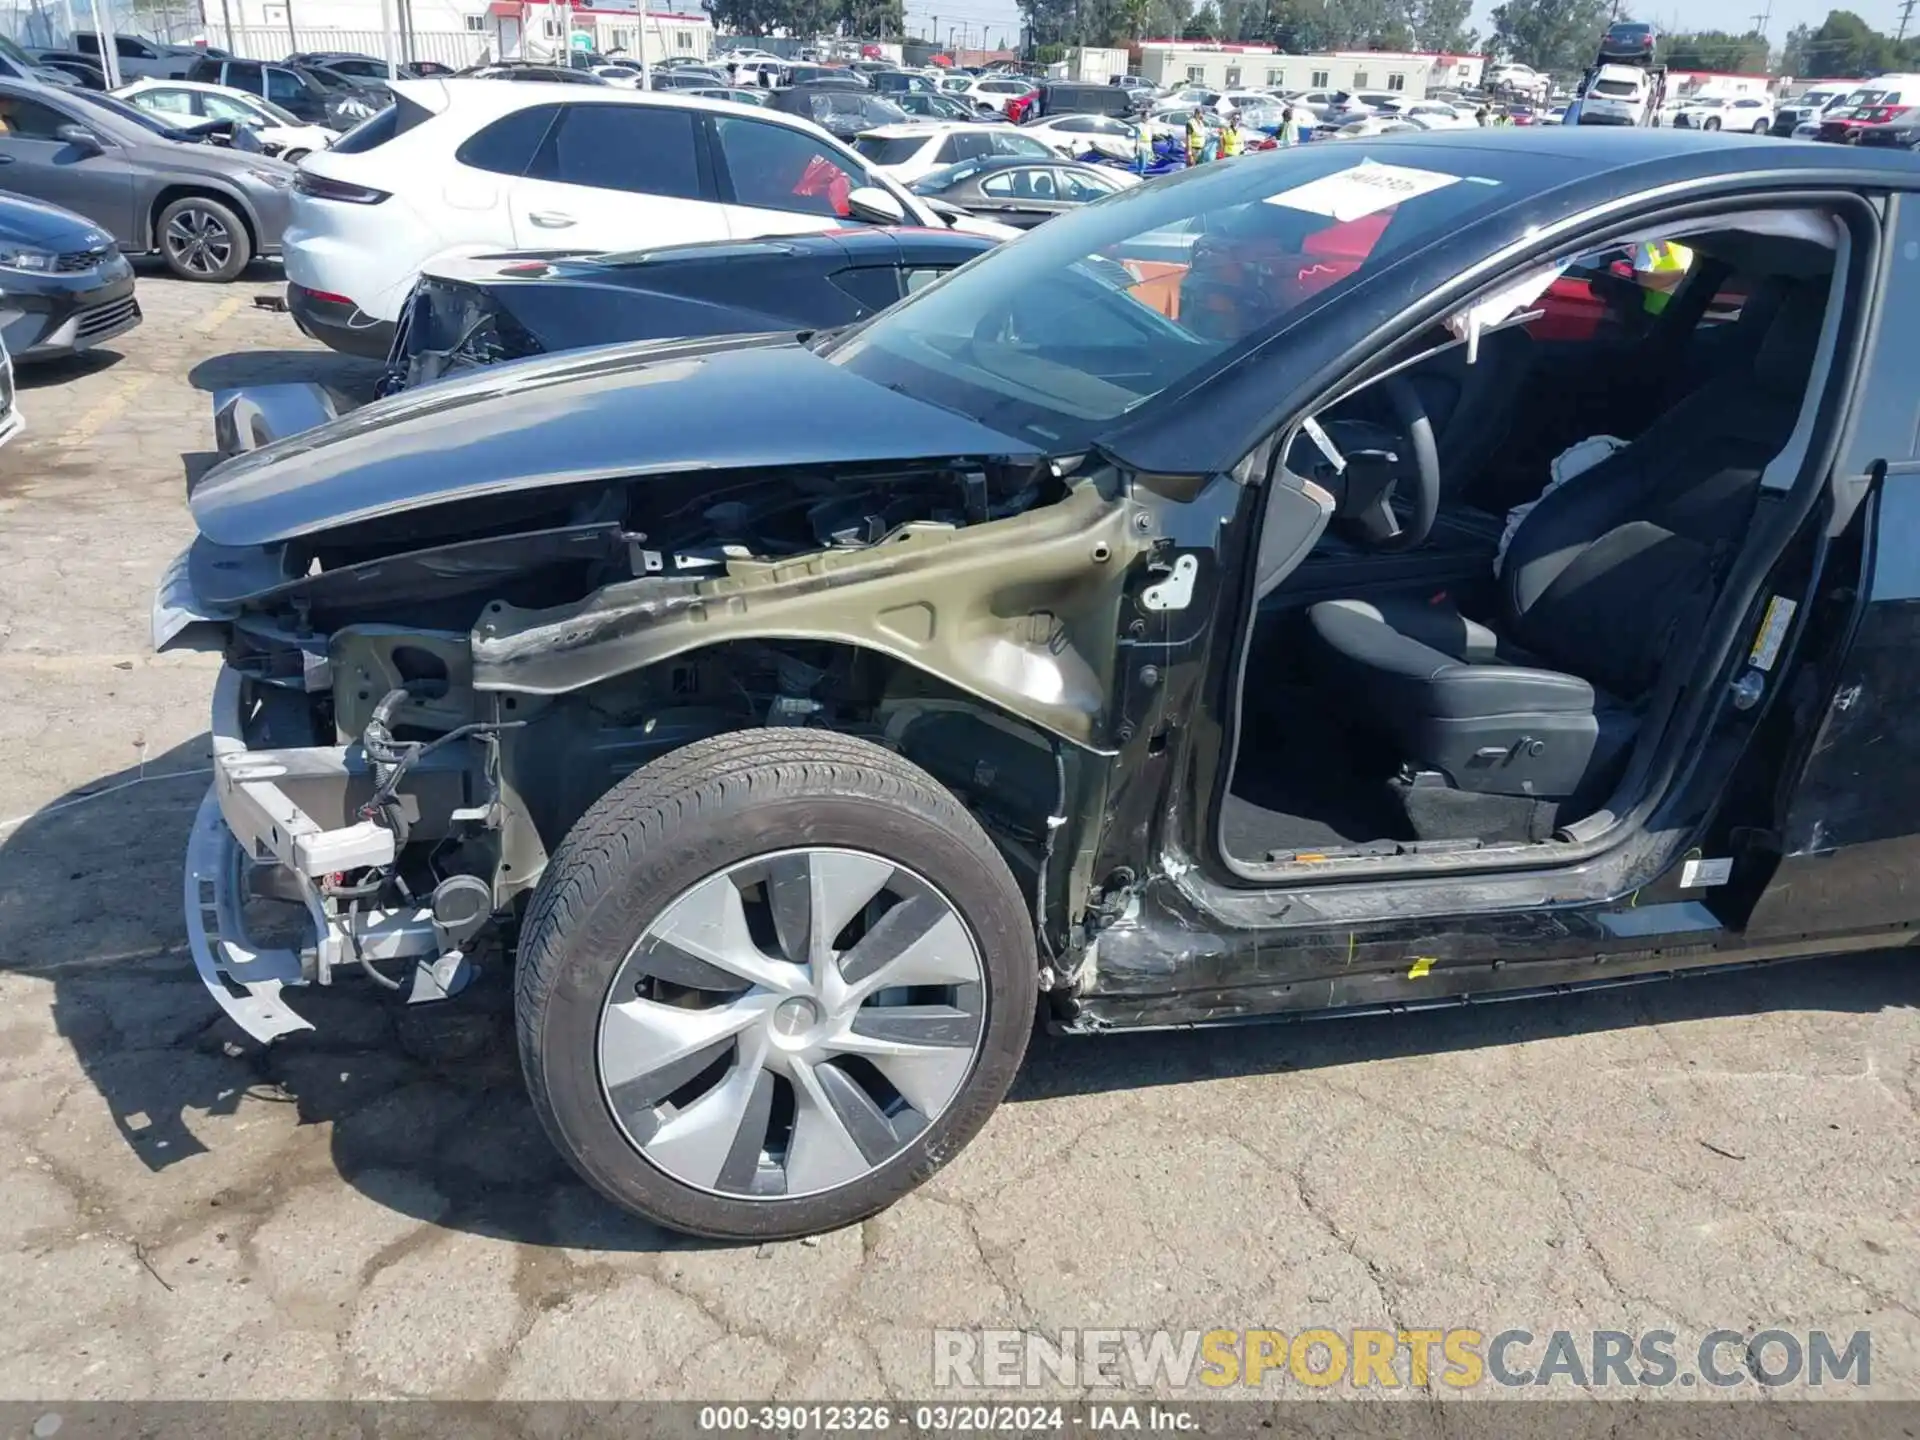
(1230, 139)
(1658, 268)
(1196, 137)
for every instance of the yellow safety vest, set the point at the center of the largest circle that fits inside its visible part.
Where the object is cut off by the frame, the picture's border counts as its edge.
(1660, 257)
(1230, 141)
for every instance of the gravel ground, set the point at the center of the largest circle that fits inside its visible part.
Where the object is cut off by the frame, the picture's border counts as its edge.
(370, 1211)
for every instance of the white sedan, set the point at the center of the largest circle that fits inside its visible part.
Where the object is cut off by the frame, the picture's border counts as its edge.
(1074, 135)
(908, 152)
(185, 102)
(1432, 115)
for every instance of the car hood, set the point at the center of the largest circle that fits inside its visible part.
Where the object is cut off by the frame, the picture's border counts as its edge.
(187, 157)
(587, 416)
(47, 227)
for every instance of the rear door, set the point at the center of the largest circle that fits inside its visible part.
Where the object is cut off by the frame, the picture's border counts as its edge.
(617, 177)
(775, 180)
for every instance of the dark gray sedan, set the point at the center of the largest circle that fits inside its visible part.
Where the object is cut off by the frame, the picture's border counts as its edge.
(1022, 192)
(205, 210)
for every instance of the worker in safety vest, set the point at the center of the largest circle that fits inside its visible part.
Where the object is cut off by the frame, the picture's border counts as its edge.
(1658, 268)
(1196, 137)
(1231, 141)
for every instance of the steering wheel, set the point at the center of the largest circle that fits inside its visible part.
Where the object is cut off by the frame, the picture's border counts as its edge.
(1371, 491)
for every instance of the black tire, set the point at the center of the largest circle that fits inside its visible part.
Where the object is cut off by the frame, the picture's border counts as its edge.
(688, 816)
(202, 239)
(1712, 122)
(1759, 127)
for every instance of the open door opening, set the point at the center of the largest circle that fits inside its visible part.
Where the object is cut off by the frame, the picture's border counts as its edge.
(1485, 576)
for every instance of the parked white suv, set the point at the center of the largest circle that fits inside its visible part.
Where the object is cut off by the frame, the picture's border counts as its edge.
(1750, 113)
(462, 167)
(912, 152)
(1616, 95)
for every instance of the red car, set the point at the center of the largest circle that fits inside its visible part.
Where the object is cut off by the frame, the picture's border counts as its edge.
(1864, 109)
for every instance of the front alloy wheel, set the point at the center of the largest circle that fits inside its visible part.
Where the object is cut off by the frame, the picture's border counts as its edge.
(770, 983)
(201, 239)
(789, 1025)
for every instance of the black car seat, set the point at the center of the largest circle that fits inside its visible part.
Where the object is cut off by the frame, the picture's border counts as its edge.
(1604, 576)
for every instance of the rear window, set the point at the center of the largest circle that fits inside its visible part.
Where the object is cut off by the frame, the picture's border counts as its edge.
(370, 134)
(506, 146)
(1621, 88)
(883, 151)
(1627, 30)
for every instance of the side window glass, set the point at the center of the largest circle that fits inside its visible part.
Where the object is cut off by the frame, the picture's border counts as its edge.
(622, 147)
(23, 119)
(283, 87)
(774, 168)
(874, 286)
(918, 279)
(506, 146)
(245, 77)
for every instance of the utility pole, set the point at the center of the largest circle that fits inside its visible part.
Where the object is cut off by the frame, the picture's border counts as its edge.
(1906, 18)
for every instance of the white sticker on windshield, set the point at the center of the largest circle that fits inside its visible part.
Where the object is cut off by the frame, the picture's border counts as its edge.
(1365, 188)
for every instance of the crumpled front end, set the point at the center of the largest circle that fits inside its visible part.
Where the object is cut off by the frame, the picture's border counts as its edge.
(297, 837)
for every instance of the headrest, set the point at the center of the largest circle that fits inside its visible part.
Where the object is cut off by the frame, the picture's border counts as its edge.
(1786, 355)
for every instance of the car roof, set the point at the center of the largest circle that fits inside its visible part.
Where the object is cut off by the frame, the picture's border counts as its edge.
(474, 96)
(922, 131)
(984, 163)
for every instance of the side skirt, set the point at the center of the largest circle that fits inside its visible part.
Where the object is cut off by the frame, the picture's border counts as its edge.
(1433, 987)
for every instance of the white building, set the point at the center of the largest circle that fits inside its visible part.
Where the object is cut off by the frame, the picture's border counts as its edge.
(1261, 67)
(454, 32)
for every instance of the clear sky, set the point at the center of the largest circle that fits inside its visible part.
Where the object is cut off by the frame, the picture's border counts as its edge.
(1001, 18)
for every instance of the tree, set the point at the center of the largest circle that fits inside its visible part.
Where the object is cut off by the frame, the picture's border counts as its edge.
(1715, 50)
(1205, 25)
(758, 18)
(1441, 25)
(1549, 34)
(1845, 45)
(871, 17)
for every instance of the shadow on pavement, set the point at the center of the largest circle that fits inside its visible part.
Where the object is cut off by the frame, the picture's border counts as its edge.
(46, 374)
(90, 904)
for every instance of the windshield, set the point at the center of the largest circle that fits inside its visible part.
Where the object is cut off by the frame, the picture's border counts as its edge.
(14, 53)
(1101, 309)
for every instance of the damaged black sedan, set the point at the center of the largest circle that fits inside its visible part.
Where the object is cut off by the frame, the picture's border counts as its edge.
(1315, 584)
(483, 310)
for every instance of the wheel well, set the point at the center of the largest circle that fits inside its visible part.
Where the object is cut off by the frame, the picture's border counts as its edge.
(576, 747)
(200, 192)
